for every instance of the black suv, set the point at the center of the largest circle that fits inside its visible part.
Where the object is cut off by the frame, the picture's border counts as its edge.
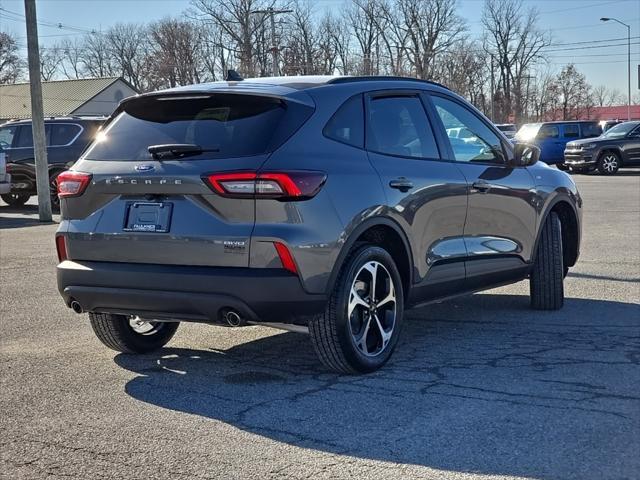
(327, 205)
(617, 147)
(67, 137)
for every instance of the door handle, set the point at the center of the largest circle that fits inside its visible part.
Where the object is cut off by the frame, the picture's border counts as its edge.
(403, 184)
(481, 186)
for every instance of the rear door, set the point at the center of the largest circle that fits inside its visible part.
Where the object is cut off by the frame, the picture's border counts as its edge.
(426, 195)
(159, 209)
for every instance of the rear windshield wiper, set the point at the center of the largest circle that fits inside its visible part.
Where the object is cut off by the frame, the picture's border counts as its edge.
(177, 150)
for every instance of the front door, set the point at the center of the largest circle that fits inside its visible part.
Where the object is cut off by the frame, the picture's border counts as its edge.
(500, 227)
(425, 195)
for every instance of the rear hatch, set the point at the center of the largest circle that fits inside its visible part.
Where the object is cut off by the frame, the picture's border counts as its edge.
(148, 200)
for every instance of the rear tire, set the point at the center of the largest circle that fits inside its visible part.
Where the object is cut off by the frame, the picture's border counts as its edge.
(117, 333)
(358, 331)
(15, 199)
(609, 163)
(546, 281)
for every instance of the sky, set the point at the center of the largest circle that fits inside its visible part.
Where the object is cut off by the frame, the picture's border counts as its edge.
(568, 21)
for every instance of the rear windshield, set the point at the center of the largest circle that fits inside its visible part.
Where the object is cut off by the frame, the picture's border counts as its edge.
(223, 125)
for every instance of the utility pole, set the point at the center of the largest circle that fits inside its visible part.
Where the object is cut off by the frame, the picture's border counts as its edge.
(272, 12)
(37, 114)
(493, 113)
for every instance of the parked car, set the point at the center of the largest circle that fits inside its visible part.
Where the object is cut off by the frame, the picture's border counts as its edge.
(67, 137)
(607, 124)
(263, 202)
(551, 137)
(617, 147)
(5, 178)
(509, 129)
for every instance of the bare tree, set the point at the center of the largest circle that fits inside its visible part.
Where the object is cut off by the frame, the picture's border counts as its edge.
(11, 64)
(513, 40)
(463, 69)
(97, 58)
(50, 61)
(176, 52)
(130, 51)
(72, 55)
(432, 27)
(574, 93)
(363, 17)
(243, 27)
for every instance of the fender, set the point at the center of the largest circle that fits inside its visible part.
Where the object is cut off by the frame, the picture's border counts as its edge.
(558, 197)
(353, 237)
(611, 148)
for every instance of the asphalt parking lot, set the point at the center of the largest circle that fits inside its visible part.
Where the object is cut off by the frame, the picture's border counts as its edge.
(480, 387)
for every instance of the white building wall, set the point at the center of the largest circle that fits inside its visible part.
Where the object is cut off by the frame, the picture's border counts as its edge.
(106, 101)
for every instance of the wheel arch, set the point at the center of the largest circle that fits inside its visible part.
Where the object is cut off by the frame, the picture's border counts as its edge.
(613, 149)
(570, 223)
(386, 233)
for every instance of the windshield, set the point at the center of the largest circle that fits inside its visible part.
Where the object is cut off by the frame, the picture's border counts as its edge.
(528, 132)
(620, 130)
(221, 125)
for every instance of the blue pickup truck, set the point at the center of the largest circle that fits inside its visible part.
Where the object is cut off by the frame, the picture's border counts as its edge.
(551, 137)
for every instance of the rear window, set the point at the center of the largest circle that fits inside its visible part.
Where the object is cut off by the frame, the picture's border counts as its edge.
(224, 125)
(591, 130)
(347, 124)
(63, 133)
(571, 131)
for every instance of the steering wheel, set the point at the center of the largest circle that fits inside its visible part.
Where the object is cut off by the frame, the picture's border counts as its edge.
(4, 144)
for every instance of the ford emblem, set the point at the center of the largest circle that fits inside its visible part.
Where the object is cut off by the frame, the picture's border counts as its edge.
(144, 168)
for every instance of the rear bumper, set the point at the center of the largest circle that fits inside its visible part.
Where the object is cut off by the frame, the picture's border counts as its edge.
(197, 294)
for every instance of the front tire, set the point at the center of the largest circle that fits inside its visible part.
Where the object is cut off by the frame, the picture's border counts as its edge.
(608, 163)
(131, 335)
(546, 281)
(15, 199)
(361, 325)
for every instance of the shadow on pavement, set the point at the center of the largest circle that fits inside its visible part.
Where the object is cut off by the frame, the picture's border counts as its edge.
(20, 217)
(480, 384)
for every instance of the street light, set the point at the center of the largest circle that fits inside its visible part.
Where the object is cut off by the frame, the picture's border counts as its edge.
(606, 19)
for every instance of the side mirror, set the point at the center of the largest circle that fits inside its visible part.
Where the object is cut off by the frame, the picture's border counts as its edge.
(526, 154)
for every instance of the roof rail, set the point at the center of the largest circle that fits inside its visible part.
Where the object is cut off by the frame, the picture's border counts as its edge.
(376, 78)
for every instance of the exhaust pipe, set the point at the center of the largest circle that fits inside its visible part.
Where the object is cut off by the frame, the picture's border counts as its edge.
(76, 307)
(232, 318)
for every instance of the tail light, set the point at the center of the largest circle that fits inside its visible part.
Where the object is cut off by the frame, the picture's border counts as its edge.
(299, 185)
(61, 247)
(286, 258)
(72, 184)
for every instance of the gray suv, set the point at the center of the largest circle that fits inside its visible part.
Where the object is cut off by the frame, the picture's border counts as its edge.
(326, 205)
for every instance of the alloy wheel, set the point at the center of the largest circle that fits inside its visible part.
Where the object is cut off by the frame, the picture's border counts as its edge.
(610, 163)
(372, 309)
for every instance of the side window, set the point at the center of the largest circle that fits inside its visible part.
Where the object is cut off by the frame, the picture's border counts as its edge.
(63, 133)
(399, 126)
(478, 143)
(571, 131)
(6, 136)
(548, 131)
(591, 130)
(24, 137)
(347, 124)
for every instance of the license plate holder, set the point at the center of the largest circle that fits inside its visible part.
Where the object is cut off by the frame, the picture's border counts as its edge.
(148, 217)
